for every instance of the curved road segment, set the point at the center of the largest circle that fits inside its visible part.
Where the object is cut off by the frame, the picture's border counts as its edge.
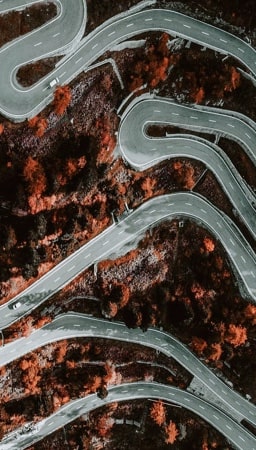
(142, 151)
(205, 119)
(76, 325)
(114, 239)
(237, 435)
(18, 103)
(56, 37)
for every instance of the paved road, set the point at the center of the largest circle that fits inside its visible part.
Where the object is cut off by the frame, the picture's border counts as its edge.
(56, 37)
(77, 325)
(18, 103)
(236, 434)
(141, 151)
(205, 119)
(7, 5)
(114, 239)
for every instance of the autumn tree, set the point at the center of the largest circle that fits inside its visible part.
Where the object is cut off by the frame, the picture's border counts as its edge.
(158, 413)
(236, 335)
(199, 96)
(171, 433)
(148, 185)
(234, 81)
(94, 383)
(209, 244)
(184, 174)
(107, 141)
(154, 68)
(104, 425)
(31, 374)
(250, 313)
(61, 351)
(110, 310)
(62, 98)
(110, 376)
(1, 128)
(216, 352)
(198, 344)
(38, 124)
(34, 175)
(221, 329)
(41, 127)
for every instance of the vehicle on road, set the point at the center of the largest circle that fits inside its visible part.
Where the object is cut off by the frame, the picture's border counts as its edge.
(54, 82)
(16, 305)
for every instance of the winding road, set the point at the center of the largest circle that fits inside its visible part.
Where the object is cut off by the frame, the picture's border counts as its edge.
(74, 325)
(142, 151)
(63, 35)
(114, 239)
(205, 119)
(235, 433)
(18, 103)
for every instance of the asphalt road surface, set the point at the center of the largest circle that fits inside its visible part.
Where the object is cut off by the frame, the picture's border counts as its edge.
(114, 239)
(62, 35)
(72, 325)
(142, 151)
(18, 103)
(235, 433)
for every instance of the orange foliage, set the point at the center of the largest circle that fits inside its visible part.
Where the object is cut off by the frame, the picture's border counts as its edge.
(24, 364)
(61, 352)
(62, 98)
(33, 121)
(234, 81)
(177, 165)
(163, 44)
(41, 127)
(198, 291)
(70, 364)
(38, 124)
(199, 96)
(104, 425)
(198, 344)
(157, 413)
(1, 128)
(236, 335)
(27, 327)
(235, 78)
(221, 328)
(107, 141)
(31, 375)
(159, 70)
(185, 173)
(250, 313)
(94, 384)
(209, 244)
(107, 264)
(171, 433)
(155, 68)
(111, 310)
(42, 321)
(148, 185)
(111, 377)
(71, 168)
(35, 176)
(124, 295)
(216, 352)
